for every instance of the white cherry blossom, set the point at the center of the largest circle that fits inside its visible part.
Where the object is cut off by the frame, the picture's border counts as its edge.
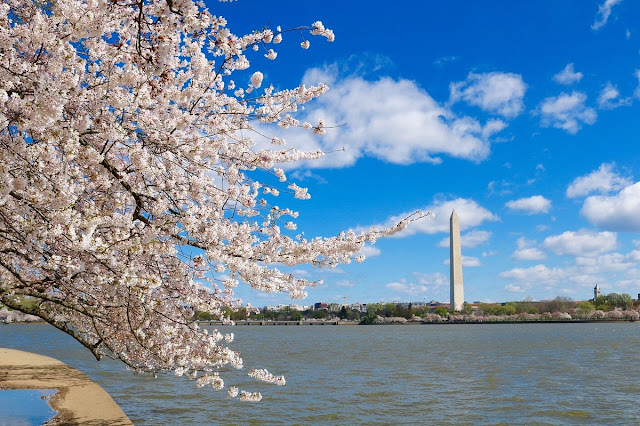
(128, 192)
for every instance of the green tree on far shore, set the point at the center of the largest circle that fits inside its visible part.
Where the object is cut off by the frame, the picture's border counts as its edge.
(585, 307)
(467, 308)
(440, 310)
(612, 301)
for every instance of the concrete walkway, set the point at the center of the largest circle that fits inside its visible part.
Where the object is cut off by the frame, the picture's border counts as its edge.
(79, 401)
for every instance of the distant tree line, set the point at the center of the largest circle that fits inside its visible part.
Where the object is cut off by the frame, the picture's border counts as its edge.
(612, 305)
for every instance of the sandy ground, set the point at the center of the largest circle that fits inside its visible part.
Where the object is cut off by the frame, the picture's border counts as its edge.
(79, 401)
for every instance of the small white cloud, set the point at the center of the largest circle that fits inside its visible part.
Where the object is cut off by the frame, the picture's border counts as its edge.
(421, 285)
(620, 212)
(369, 251)
(501, 188)
(433, 280)
(527, 251)
(470, 262)
(495, 92)
(568, 75)
(603, 180)
(492, 127)
(408, 288)
(541, 228)
(604, 12)
(301, 273)
(531, 205)
(610, 98)
(345, 284)
(334, 271)
(567, 112)
(467, 261)
(302, 175)
(627, 34)
(470, 239)
(535, 274)
(530, 253)
(636, 93)
(581, 243)
(445, 60)
(512, 288)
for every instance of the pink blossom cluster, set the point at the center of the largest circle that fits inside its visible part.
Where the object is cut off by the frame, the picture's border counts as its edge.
(265, 376)
(128, 197)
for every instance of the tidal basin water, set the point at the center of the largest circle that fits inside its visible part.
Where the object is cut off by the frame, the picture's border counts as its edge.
(394, 374)
(25, 407)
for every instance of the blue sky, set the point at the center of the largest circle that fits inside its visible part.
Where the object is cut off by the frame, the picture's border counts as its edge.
(523, 116)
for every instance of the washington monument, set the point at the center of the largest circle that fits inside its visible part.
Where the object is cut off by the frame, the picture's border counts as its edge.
(455, 264)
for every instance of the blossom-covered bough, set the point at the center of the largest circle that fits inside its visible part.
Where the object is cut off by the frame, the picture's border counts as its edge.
(128, 191)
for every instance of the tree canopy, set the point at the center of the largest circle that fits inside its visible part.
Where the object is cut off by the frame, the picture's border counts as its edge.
(133, 189)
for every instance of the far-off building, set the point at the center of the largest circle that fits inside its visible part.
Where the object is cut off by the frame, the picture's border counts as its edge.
(596, 292)
(455, 264)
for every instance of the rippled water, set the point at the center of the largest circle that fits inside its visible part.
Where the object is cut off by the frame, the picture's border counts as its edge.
(404, 374)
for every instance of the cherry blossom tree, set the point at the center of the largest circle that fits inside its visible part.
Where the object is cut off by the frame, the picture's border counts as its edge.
(132, 191)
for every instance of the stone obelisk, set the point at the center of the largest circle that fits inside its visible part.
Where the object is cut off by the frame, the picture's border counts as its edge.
(455, 264)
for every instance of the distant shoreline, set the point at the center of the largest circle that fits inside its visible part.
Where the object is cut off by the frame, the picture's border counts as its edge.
(322, 323)
(392, 323)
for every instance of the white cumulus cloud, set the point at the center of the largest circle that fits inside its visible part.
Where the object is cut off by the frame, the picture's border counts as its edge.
(568, 75)
(581, 243)
(603, 180)
(567, 112)
(604, 11)
(392, 120)
(610, 262)
(610, 98)
(535, 274)
(527, 251)
(495, 92)
(530, 205)
(614, 270)
(620, 212)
